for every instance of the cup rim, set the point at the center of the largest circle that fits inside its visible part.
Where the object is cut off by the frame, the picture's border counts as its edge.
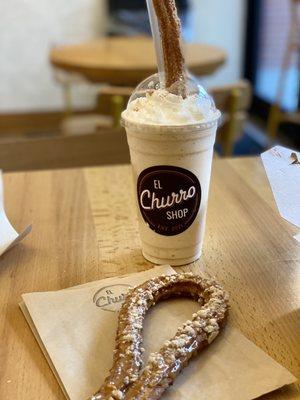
(156, 128)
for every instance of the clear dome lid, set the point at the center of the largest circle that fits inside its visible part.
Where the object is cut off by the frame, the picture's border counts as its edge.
(185, 103)
(191, 87)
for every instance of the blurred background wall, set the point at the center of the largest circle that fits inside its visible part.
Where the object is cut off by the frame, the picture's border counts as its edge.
(28, 30)
(221, 23)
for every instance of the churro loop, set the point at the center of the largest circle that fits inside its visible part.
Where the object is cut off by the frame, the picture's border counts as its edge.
(170, 31)
(128, 379)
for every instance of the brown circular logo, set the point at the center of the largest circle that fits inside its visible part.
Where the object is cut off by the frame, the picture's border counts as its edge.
(110, 298)
(169, 198)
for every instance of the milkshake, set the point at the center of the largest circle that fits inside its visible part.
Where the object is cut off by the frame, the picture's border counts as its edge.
(171, 125)
(171, 146)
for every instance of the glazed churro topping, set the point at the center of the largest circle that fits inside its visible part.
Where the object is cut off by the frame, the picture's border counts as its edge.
(128, 379)
(170, 31)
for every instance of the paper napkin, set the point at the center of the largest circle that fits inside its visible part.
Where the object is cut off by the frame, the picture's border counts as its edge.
(75, 329)
(9, 237)
(297, 237)
(283, 171)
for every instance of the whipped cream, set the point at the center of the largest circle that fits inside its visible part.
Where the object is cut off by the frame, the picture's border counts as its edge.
(164, 108)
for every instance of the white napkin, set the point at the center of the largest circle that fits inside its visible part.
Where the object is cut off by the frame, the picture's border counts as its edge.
(9, 237)
(297, 237)
(283, 172)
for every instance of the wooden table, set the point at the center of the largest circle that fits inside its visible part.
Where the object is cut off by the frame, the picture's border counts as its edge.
(127, 61)
(84, 229)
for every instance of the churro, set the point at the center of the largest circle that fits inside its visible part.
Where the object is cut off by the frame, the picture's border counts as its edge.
(128, 379)
(170, 31)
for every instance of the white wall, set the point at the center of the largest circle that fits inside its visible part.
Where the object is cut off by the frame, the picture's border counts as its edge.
(221, 23)
(28, 29)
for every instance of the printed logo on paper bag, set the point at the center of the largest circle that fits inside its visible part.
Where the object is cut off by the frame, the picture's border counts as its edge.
(169, 198)
(110, 298)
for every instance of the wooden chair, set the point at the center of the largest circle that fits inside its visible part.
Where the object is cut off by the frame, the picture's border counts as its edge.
(112, 100)
(107, 146)
(233, 101)
(74, 123)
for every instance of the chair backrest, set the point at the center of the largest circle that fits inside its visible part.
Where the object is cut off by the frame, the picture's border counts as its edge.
(113, 99)
(234, 101)
(223, 96)
(108, 146)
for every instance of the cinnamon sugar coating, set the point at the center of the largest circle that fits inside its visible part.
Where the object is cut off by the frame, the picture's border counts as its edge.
(170, 31)
(128, 378)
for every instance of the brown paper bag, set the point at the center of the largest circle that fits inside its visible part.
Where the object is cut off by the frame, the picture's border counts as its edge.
(76, 328)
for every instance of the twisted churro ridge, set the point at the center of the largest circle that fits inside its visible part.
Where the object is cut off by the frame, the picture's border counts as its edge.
(170, 31)
(127, 379)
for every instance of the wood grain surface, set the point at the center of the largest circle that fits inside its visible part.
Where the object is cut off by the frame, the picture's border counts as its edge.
(85, 228)
(127, 61)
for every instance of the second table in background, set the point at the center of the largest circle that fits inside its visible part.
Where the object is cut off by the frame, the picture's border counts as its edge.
(128, 60)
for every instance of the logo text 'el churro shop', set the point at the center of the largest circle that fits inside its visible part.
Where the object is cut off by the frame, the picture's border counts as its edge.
(169, 198)
(110, 298)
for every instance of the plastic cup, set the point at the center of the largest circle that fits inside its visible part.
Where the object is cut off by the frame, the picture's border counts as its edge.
(171, 169)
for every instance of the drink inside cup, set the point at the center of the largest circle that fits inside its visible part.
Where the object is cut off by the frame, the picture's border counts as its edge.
(171, 125)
